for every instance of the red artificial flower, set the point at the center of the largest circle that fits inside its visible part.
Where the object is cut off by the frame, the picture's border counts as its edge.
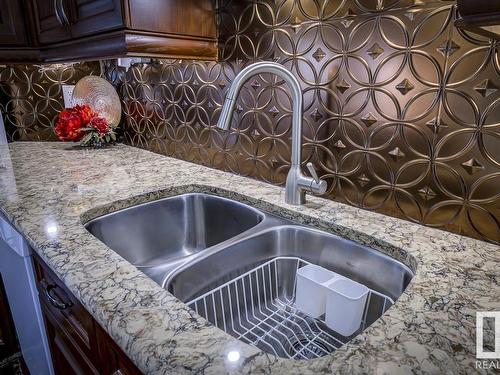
(69, 126)
(100, 124)
(74, 124)
(85, 112)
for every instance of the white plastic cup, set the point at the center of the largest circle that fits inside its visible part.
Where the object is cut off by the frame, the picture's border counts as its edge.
(345, 304)
(310, 296)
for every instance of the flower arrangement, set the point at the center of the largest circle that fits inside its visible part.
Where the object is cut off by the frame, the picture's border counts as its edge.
(82, 124)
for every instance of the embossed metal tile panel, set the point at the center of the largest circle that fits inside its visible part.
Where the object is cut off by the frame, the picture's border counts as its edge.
(31, 96)
(402, 110)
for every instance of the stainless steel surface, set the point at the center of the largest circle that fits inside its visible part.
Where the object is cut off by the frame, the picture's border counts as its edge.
(194, 244)
(257, 307)
(296, 182)
(247, 286)
(170, 230)
(360, 263)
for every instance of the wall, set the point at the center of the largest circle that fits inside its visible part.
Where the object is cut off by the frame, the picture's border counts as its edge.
(31, 96)
(402, 110)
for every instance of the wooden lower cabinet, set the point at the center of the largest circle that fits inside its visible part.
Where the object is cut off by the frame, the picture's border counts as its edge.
(78, 344)
(67, 357)
(114, 361)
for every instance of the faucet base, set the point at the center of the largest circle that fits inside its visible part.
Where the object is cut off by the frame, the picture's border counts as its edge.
(295, 199)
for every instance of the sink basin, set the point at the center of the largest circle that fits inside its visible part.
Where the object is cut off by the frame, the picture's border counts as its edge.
(248, 287)
(360, 263)
(236, 266)
(171, 229)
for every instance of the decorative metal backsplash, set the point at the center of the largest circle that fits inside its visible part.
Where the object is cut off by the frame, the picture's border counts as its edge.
(402, 110)
(31, 96)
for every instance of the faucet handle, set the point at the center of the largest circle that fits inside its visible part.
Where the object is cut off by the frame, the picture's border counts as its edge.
(312, 171)
(318, 186)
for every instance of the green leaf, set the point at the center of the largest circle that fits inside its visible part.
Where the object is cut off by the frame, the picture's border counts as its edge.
(86, 139)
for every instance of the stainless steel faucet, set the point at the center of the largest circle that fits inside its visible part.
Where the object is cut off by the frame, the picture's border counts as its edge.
(297, 184)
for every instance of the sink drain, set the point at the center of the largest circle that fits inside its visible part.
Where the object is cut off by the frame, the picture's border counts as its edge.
(302, 347)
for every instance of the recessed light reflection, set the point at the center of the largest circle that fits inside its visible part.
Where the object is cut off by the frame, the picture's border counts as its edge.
(51, 229)
(233, 356)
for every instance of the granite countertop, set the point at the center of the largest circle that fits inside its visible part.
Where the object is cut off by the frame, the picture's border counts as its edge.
(47, 190)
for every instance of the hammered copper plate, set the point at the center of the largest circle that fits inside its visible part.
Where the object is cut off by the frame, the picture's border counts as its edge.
(101, 96)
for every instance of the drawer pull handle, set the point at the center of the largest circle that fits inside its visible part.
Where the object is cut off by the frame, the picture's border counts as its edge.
(61, 16)
(63, 13)
(58, 16)
(54, 301)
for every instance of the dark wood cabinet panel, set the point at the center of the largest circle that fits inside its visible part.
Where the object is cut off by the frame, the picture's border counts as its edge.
(112, 358)
(71, 316)
(78, 344)
(188, 17)
(12, 27)
(52, 20)
(67, 356)
(95, 16)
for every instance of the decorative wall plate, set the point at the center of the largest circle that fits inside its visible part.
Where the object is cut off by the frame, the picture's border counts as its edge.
(101, 96)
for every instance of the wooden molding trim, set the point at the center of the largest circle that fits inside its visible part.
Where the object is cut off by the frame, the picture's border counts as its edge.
(130, 43)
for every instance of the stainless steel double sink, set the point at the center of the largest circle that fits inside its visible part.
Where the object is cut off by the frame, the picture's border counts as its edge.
(158, 236)
(193, 243)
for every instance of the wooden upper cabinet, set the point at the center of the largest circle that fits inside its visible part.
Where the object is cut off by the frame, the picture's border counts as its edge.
(187, 17)
(52, 20)
(72, 30)
(59, 20)
(18, 43)
(12, 28)
(95, 16)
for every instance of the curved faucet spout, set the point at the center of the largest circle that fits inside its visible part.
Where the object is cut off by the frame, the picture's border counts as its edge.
(279, 70)
(297, 183)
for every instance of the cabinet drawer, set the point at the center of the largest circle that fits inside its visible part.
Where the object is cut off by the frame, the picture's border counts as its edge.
(70, 316)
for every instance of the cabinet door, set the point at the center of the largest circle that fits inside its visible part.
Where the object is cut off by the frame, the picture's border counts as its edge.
(12, 28)
(186, 17)
(94, 16)
(114, 361)
(52, 20)
(63, 306)
(67, 359)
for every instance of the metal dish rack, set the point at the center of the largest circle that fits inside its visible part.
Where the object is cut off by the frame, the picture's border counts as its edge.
(257, 308)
